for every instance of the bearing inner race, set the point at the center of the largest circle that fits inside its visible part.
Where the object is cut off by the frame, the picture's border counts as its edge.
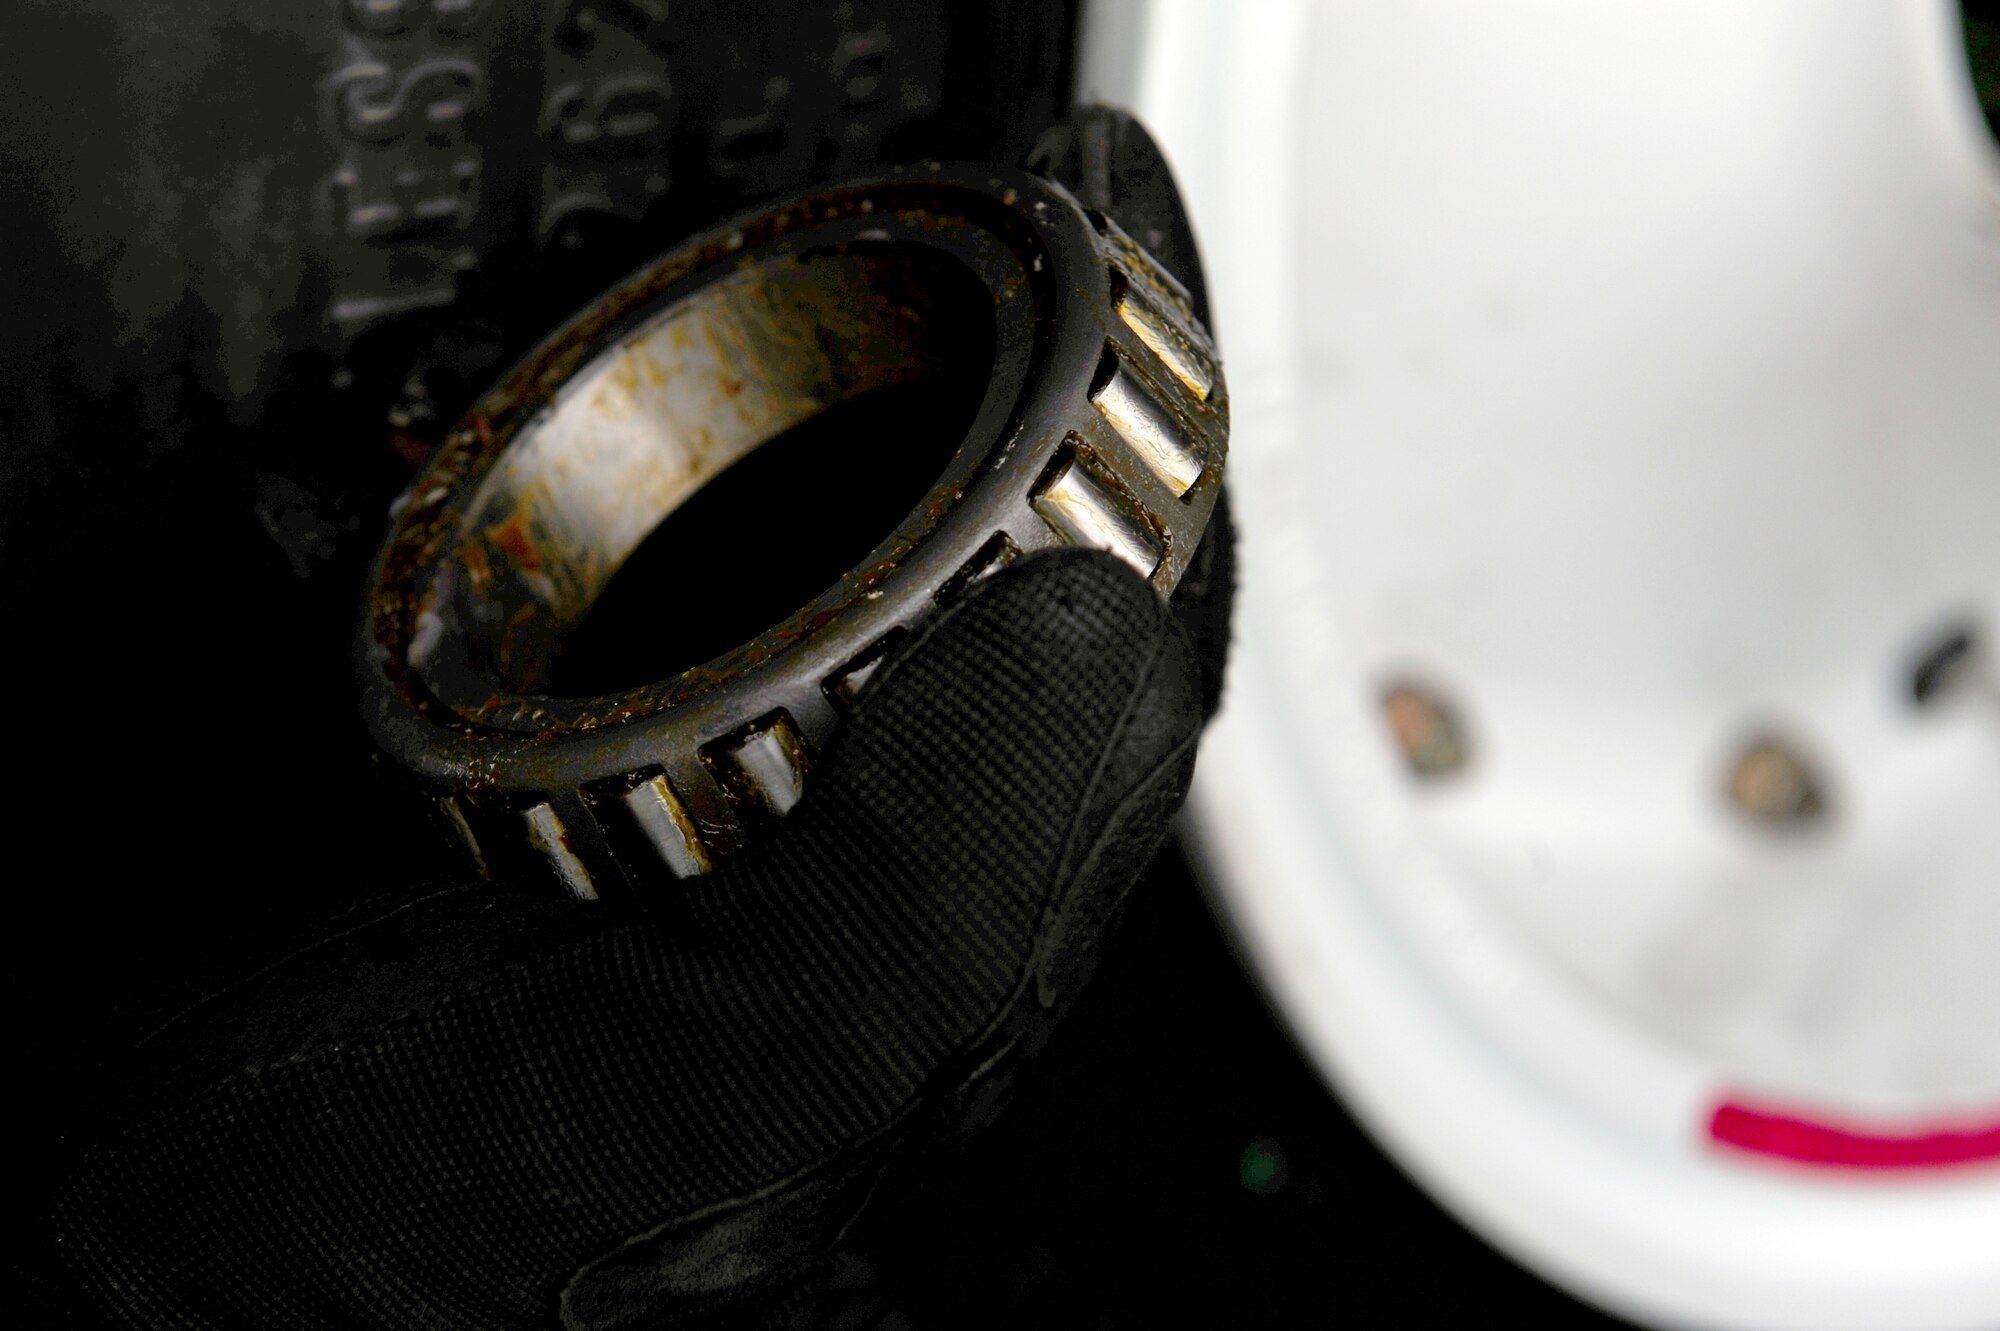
(691, 393)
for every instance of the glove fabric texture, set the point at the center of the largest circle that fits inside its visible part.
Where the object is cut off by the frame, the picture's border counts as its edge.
(472, 1109)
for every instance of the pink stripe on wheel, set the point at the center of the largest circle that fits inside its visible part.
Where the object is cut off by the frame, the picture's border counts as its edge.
(1790, 1136)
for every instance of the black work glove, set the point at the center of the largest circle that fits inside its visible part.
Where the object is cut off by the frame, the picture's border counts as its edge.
(459, 1108)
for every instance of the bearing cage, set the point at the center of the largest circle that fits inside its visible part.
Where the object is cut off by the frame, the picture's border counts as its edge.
(1104, 423)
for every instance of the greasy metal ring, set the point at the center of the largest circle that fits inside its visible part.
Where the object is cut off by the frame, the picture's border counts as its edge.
(1104, 423)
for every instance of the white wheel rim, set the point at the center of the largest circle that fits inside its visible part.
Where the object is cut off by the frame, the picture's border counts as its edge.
(1428, 228)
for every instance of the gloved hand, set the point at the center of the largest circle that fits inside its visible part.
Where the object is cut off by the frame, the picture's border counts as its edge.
(452, 1107)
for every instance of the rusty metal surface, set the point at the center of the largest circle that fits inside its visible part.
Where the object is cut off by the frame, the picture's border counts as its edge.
(648, 423)
(1103, 421)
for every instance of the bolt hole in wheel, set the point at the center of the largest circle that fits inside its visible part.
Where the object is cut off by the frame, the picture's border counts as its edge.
(1608, 786)
(670, 505)
(1425, 728)
(1775, 786)
(1952, 663)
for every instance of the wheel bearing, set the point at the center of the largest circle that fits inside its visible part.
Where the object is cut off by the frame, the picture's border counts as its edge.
(1104, 423)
